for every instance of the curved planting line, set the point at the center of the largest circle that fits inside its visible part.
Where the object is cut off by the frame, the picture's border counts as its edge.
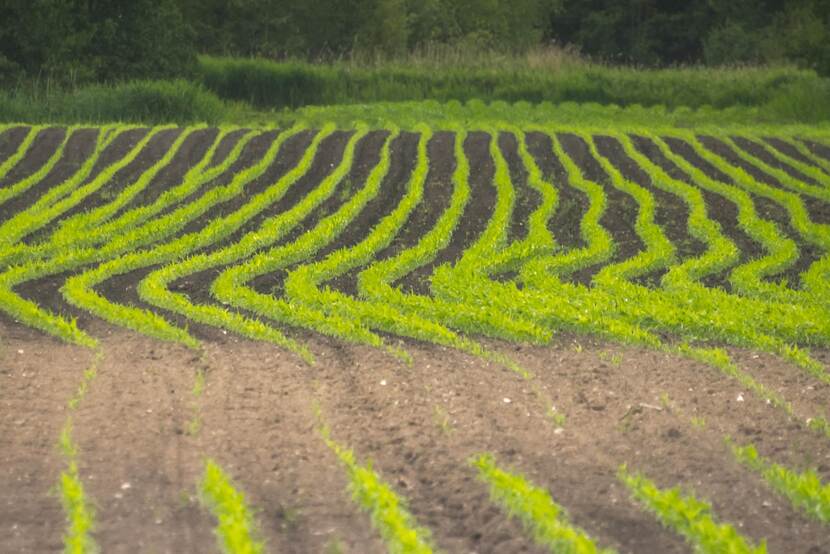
(79, 289)
(154, 288)
(792, 183)
(819, 161)
(231, 286)
(432, 319)
(689, 517)
(388, 511)
(69, 259)
(15, 189)
(71, 192)
(236, 530)
(533, 506)
(721, 252)
(817, 277)
(805, 491)
(84, 222)
(83, 232)
(69, 256)
(303, 284)
(21, 151)
(659, 252)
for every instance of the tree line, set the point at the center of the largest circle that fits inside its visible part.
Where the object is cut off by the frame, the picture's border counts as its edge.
(108, 40)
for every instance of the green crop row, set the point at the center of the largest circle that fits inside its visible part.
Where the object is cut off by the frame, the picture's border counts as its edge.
(79, 289)
(231, 286)
(154, 288)
(80, 515)
(533, 506)
(388, 511)
(236, 530)
(21, 151)
(153, 230)
(689, 517)
(11, 190)
(772, 237)
(783, 177)
(804, 490)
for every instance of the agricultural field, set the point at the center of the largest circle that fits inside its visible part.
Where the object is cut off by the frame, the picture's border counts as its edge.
(465, 334)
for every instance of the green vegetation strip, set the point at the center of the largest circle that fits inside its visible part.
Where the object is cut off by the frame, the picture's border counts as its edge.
(537, 511)
(388, 511)
(689, 517)
(804, 490)
(236, 529)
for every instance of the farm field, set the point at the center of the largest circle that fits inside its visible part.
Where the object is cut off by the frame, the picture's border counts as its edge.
(443, 336)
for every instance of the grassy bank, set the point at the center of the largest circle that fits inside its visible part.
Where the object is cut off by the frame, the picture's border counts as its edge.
(250, 91)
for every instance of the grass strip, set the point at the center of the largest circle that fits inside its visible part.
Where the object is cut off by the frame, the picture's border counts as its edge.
(804, 490)
(534, 507)
(236, 529)
(689, 517)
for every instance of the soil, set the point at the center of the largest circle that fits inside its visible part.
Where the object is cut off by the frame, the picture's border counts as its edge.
(155, 411)
(817, 148)
(788, 149)
(143, 434)
(671, 213)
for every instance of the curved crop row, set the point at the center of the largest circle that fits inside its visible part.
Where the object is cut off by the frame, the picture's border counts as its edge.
(816, 278)
(12, 190)
(153, 230)
(154, 288)
(79, 289)
(21, 151)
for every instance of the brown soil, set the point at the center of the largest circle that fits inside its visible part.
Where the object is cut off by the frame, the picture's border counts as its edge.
(817, 148)
(142, 436)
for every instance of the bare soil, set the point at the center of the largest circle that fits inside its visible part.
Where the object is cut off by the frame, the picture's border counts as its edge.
(143, 434)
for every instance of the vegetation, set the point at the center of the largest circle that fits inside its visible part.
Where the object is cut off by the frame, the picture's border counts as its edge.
(804, 490)
(688, 516)
(536, 509)
(389, 513)
(236, 530)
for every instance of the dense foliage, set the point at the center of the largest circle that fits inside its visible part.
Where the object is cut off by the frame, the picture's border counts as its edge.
(92, 40)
